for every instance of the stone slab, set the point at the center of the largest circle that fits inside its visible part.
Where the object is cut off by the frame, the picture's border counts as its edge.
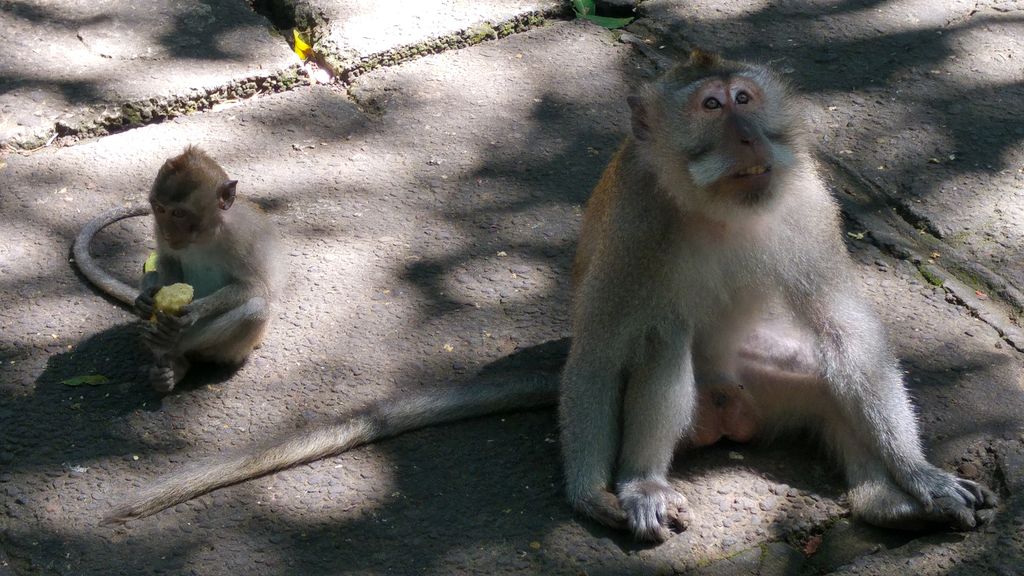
(363, 28)
(62, 61)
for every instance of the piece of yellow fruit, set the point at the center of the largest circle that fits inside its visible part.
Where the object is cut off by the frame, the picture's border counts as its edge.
(171, 299)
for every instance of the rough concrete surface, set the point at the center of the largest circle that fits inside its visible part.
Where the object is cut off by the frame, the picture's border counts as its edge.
(430, 210)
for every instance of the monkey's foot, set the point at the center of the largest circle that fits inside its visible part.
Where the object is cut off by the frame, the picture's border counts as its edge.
(654, 510)
(164, 375)
(938, 499)
(161, 378)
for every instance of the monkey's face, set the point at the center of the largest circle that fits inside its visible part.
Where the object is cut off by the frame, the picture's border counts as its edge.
(188, 197)
(729, 155)
(179, 225)
(721, 136)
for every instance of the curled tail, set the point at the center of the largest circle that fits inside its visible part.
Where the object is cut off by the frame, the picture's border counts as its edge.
(383, 420)
(90, 269)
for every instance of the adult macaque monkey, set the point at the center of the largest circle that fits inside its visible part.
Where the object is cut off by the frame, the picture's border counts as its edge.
(709, 211)
(224, 249)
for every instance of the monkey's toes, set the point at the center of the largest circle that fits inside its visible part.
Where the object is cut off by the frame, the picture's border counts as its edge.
(161, 378)
(984, 516)
(653, 509)
(983, 497)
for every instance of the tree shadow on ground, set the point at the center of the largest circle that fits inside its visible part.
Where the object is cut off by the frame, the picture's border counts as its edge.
(69, 420)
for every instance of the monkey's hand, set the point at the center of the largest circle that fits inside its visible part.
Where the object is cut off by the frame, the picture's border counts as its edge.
(186, 317)
(163, 335)
(951, 501)
(145, 302)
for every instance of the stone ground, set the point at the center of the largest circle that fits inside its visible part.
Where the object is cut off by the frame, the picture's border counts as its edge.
(430, 197)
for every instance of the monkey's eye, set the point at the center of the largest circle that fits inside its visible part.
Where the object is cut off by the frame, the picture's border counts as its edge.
(712, 103)
(159, 209)
(178, 213)
(742, 97)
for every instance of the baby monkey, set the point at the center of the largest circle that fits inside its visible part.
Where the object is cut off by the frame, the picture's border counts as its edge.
(227, 252)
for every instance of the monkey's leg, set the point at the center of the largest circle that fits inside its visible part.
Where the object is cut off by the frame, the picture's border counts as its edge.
(169, 366)
(167, 371)
(658, 407)
(227, 337)
(867, 386)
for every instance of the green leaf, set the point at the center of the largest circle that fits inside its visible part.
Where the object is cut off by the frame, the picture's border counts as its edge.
(607, 22)
(91, 380)
(583, 7)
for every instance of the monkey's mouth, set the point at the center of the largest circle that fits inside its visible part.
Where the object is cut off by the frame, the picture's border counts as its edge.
(175, 243)
(754, 171)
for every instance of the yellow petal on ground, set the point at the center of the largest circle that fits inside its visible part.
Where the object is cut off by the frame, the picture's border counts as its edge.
(301, 48)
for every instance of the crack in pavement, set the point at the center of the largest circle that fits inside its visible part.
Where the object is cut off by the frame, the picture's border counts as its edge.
(284, 15)
(893, 233)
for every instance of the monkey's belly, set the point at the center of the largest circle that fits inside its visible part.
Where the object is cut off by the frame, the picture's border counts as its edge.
(205, 275)
(723, 414)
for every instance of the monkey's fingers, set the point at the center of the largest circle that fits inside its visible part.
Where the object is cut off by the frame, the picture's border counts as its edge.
(158, 343)
(983, 497)
(949, 510)
(170, 325)
(652, 507)
(161, 379)
(144, 306)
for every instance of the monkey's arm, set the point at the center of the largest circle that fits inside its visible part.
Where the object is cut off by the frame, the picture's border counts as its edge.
(590, 408)
(144, 302)
(224, 299)
(867, 386)
(382, 420)
(863, 374)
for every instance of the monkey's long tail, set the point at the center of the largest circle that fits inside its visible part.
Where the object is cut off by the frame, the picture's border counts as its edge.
(382, 420)
(92, 271)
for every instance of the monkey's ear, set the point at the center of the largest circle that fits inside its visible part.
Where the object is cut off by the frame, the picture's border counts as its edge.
(639, 118)
(226, 194)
